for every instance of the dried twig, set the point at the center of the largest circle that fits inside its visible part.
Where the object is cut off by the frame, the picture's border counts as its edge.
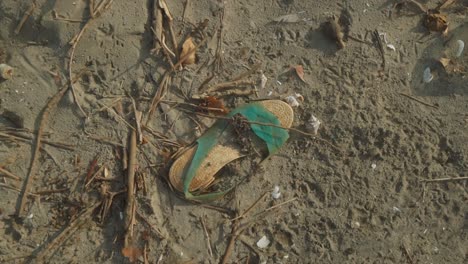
(95, 12)
(418, 100)
(17, 136)
(32, 169)
(208, 240)
(28, 13)
(380, 46)
(445, 179)
(130, 207)
(227, 85)
(8, 174)
(64, 234)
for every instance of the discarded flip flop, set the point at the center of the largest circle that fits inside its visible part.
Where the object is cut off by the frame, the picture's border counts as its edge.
(195, 168)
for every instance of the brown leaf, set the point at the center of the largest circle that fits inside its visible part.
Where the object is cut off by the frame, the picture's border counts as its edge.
(188, 52)
(213, 102)
(435, 21)
(300, 72)
(132, 253)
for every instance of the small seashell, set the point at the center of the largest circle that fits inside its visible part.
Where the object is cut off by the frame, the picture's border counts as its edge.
(275, 194)
(263, 81)
(461, 46)
(263, 242)
(292, 101)
(390, 46)
(427, 75)
(313, 124)
(6, 71)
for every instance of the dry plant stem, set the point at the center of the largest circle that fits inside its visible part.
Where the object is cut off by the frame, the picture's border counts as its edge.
(235, 232)
(25, 138)
(7, 174)
(65, 234)
(130, 207)
(208, 240)
(418, 5)
(247, 73)
(446, 4)
(227, 85)
(251, 207)
(405, 248)
(157, 25)
(186, 4)
(218, 61)
(154, 229)
(445, 179)
(159, 95)
(32, 168)
(193, 105)
(25, 17)
(74, 42)
(380, 46)
(417, 100)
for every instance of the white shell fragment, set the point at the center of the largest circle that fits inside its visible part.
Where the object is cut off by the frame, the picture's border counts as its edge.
(313, 124)
(460, 48)
(427, 75)
(391, 46)
(263, 242)
(276, 194)
(292, 101)
(263, 81)
(6, 71)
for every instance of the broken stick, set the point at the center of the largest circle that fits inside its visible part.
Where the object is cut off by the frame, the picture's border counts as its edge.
(130, 208)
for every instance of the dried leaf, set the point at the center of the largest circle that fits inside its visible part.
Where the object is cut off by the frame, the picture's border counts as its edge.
(300, 72)
(435, 21)
(213, 102)
(188, 52)
(291, 18)
(132, 253)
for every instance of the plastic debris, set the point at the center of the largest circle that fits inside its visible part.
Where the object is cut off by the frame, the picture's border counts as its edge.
(263, 242)
(313, 124)
(276, 194)
(427, 75)
(292, 101)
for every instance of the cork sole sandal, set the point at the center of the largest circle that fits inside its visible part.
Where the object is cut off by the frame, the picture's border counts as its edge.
(195, 168)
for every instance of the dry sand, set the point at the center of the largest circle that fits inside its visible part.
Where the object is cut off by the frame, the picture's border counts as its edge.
(363, 203)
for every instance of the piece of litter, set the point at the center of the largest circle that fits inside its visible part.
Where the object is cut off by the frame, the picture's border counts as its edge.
(269, 93)
(427, 75)
(30, 216)
(263, 81)
(373, 166)
(275, 194)
(313, 124)
(396, 209)
(390, 46)
(263, 242)
(292, 101)
(278, 82)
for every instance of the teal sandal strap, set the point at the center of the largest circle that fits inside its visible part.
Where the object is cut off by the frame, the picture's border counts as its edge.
(274, 137)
